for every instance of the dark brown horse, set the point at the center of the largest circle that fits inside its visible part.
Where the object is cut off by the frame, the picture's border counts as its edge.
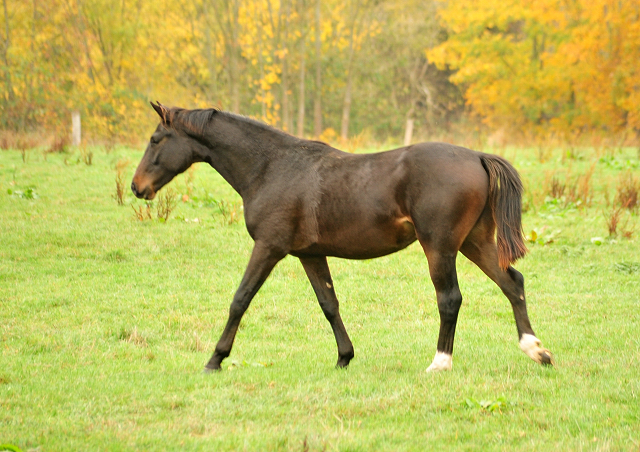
(310, 200)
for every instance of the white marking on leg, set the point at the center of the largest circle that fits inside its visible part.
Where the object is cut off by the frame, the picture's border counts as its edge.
(442, 361)
(531, 345)
(328, 285)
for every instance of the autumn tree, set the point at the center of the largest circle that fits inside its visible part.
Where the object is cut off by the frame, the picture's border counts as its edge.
(548, 65)
(273, 59)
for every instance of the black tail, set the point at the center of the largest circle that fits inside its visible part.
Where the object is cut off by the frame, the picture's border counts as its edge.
(505, 197)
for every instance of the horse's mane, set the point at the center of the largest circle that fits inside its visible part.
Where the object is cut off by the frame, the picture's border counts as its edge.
(194, 121)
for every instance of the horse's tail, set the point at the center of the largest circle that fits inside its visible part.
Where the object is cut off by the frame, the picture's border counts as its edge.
(505, 197)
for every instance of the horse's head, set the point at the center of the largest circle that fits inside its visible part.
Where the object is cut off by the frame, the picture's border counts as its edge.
(168, 154)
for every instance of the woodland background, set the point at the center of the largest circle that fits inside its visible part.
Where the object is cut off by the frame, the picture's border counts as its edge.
(334, 69)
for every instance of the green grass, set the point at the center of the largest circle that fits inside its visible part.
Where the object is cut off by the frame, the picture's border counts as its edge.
(107, 321)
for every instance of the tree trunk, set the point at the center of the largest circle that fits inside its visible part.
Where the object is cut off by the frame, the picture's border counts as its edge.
(301, 93)
(284, 21)
(28, 117)
(317, 102)
(346, 105)
(234, 56)
(226, 13)
(301, 100)
(210, 53)
(8, 100)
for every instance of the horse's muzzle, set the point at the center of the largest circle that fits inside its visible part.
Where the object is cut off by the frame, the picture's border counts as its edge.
(147, 193)
(135, 191)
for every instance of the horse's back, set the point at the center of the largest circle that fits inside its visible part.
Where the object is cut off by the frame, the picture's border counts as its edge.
(367, 205)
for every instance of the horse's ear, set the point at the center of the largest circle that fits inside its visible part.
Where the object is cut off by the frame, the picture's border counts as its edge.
(162, 111)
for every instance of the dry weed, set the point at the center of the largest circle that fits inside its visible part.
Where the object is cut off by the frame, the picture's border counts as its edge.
(617, 221)
(60, 145)
(121, 166)
(555, 187)
(19, 141)
(577, 190)
(197, 345)
(133, 337)
(119, 189)
(86, 155)
(167, 201)
(143, 213)
(231, 211)
(581, 192)
(627, 191)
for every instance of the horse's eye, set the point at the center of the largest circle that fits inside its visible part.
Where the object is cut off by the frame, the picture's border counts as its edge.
(154, 140)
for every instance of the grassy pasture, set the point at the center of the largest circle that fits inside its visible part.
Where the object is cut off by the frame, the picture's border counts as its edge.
(106, 322)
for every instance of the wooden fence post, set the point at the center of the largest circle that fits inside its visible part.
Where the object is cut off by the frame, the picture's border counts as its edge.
(76, 128)
(408, 132)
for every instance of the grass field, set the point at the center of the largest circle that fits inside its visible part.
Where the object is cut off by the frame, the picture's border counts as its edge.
(106, 322)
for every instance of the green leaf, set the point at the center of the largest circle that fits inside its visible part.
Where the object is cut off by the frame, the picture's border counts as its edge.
(10, 447)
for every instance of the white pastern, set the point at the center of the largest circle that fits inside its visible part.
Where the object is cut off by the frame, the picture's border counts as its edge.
(532, 346)
(442, 361)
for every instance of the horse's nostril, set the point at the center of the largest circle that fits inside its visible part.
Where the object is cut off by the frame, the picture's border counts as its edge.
(134, 189)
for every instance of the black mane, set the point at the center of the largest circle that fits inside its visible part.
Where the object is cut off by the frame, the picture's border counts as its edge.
(195, 121)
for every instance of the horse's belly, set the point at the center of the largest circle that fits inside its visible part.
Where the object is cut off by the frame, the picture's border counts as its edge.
(358, 242)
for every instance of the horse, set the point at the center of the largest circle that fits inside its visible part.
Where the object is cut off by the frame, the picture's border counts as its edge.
(307, 199)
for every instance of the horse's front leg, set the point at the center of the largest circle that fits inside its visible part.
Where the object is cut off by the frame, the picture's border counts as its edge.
(320, 278)
(263, 259)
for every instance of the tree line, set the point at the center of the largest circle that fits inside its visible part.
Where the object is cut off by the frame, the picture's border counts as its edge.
(323, 68)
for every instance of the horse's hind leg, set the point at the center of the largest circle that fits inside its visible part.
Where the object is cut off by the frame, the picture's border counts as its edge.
(262, 261)
(442, 268)
(318, 273)
(480, 248)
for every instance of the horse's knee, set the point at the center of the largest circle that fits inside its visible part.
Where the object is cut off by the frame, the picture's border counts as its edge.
(516, 276)
(514, 290)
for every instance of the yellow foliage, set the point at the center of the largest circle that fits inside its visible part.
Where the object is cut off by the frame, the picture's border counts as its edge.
(108, 58)
(548, 64)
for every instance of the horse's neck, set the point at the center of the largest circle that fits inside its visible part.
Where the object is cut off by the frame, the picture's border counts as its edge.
(240, 150)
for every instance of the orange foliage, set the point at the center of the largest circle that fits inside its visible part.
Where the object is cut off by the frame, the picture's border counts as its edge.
(548, 65)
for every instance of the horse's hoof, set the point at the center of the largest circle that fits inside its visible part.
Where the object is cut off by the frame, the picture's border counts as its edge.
(546, 358)
(342, 364)
(344, 359)
(209, 370)
(442, 361)
(532, 346)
